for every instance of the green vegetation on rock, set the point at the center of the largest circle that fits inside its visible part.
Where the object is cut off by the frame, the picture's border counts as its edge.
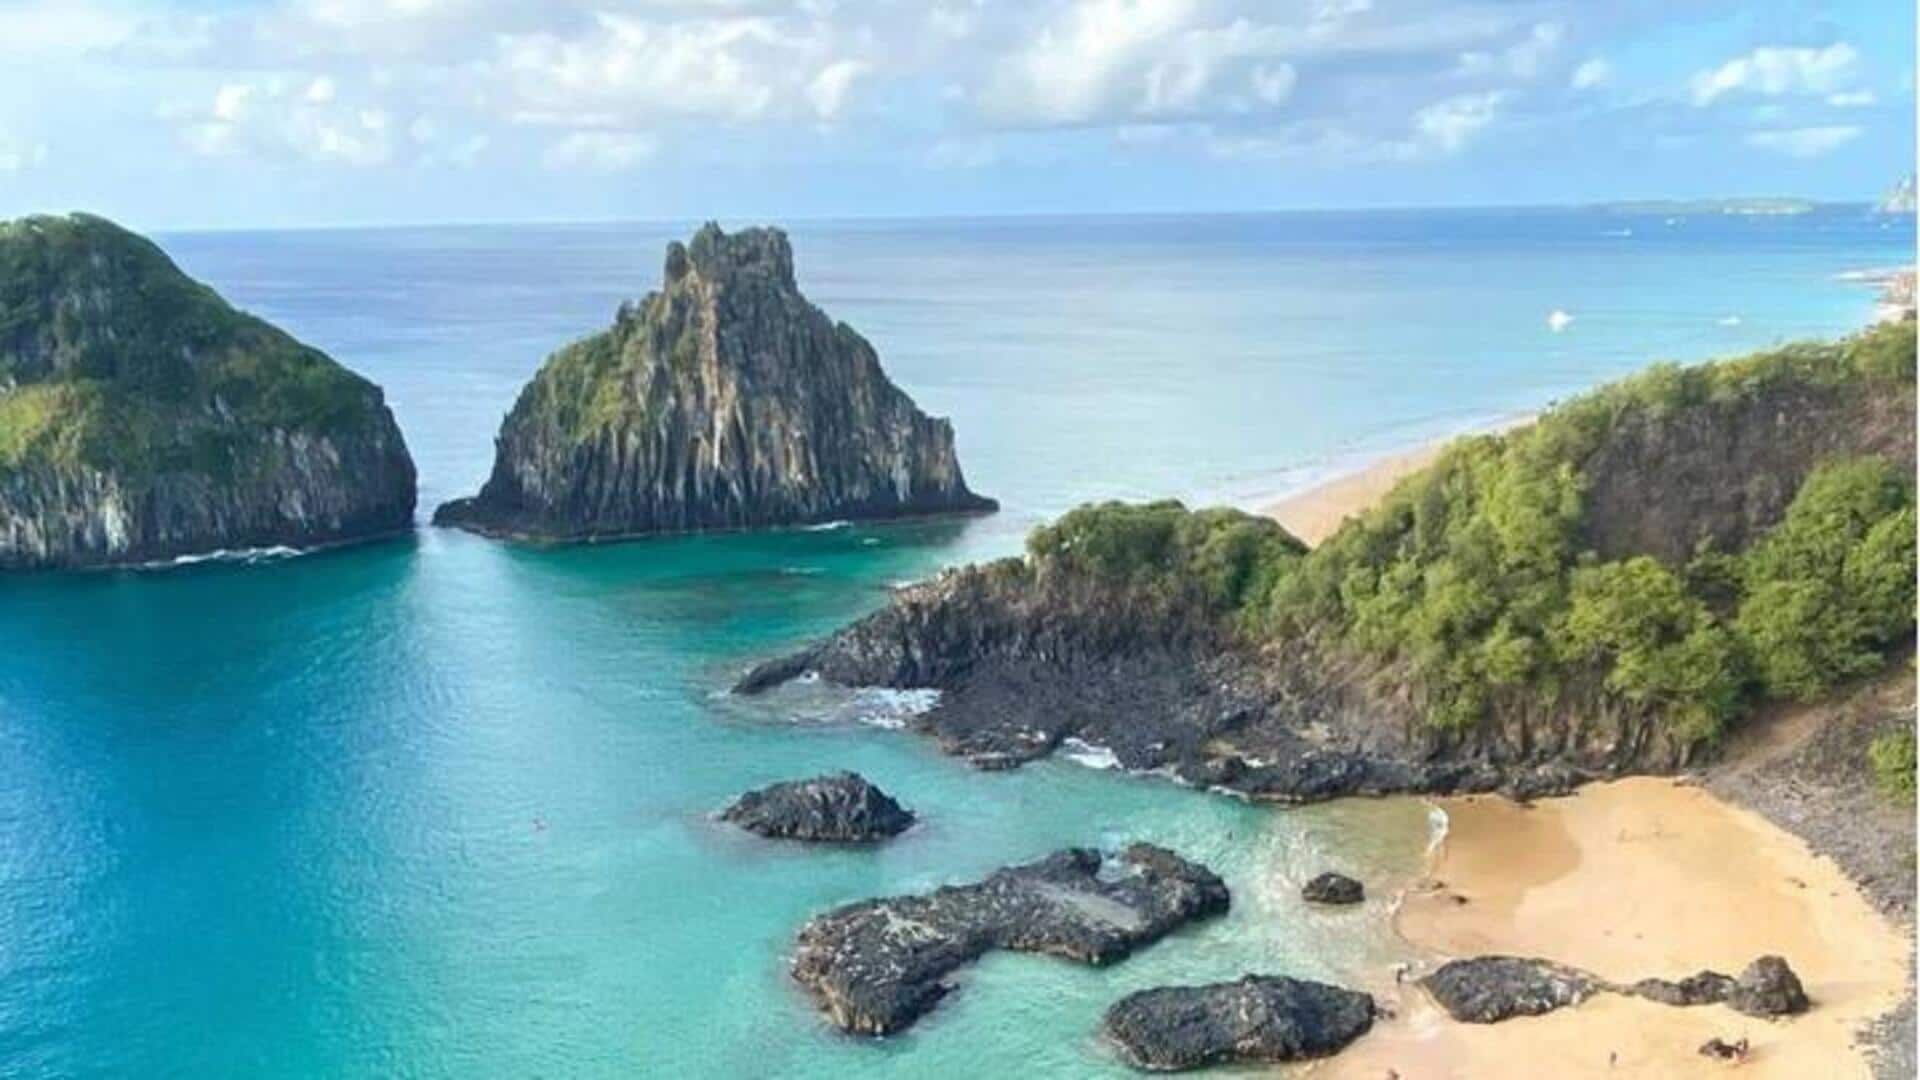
(112, 358)
(142, 417)
(1892, 758)
(1476, 579)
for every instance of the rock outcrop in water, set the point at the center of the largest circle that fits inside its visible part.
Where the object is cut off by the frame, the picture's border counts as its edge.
(839, 808)
(876, 966)
(142, 418)
(1332, 888)
(723, 401)
(1489, 989)
(1258, 1020)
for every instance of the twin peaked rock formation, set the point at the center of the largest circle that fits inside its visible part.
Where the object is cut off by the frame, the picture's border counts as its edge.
(142, 418)
(723, 401)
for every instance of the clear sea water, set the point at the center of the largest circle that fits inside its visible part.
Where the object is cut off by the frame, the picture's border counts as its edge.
(440, 807)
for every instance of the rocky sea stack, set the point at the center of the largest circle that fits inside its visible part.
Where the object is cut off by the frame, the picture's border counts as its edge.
(143, 418)
(724, 401)
(1261, 1019)
(841, 808)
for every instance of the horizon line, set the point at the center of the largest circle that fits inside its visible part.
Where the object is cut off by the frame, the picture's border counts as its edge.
(1034, 215)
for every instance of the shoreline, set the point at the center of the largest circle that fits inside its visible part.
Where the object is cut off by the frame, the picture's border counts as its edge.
(1631, 878)
(1315, 512)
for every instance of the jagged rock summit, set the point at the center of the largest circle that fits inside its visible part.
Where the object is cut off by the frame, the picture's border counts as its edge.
(723, 401)
(142, 418)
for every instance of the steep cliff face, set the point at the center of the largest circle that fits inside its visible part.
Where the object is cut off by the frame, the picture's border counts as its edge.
(142, 418)
(723, 401)
(1533, 611)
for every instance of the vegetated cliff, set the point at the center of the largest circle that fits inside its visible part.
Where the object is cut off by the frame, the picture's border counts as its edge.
(142, 418)
(1604, 591)
(723, 401)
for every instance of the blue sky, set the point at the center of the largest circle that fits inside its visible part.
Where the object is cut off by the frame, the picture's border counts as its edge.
(174, 113)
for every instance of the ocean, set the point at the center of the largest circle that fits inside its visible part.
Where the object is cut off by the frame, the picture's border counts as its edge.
(441, 807)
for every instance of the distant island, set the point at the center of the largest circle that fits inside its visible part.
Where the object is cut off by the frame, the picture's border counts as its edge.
(723, 401)
(142, 418)
(1762, 206)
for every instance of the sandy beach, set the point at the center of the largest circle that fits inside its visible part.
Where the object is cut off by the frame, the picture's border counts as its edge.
(1314, 514)
(1629, 879)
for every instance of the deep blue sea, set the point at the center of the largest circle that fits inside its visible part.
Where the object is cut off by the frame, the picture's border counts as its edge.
(441, 807)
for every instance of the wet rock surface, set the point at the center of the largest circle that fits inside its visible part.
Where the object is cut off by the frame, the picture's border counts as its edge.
(1259, 1019)
(1489, 989)
(839, 808)
(1332, 888)
(876, 966)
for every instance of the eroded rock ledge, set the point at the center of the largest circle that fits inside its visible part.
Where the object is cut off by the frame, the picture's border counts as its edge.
(839, 808)
(1259, 1019)
(876, 966)
(1489, 989)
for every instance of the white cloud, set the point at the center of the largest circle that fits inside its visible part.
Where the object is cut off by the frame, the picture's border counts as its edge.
(1806, 142)
(230, 102)
(44, 29)
(1852, 99)
(322, 90)
(1451, 124)
(599, 151)
(1774, 71)
(18, 155)
(828, 90)
(1273, 85)
(1523, 59)
(1591, 74)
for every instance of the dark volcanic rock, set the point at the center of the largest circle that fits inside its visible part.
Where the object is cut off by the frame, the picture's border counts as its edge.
(842, 807)
(1489, 989)
(874, 967)
(1026, 659)
(723, 401)
(1768, 987)
(1701, 988)
(1260, 1019)
(143, 418)
(1332, 888)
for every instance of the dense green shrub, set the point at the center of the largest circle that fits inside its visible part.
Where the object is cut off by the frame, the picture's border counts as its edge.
(1892, 758)
(1833, 585)
(1228, 559)
(1471, 575)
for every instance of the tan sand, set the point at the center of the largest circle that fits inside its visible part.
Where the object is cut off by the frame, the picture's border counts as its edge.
(1314, 514)
(1630, 879)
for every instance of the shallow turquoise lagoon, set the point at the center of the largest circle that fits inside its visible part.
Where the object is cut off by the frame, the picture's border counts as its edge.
(440, 807)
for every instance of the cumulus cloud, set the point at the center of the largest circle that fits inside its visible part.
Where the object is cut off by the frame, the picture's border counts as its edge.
(1451, 124)
(1591, 74)
(828, 90)
(1775, 71)
(1806, 142)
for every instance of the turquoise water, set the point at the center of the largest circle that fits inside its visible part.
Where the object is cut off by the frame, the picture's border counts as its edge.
(440, 807)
